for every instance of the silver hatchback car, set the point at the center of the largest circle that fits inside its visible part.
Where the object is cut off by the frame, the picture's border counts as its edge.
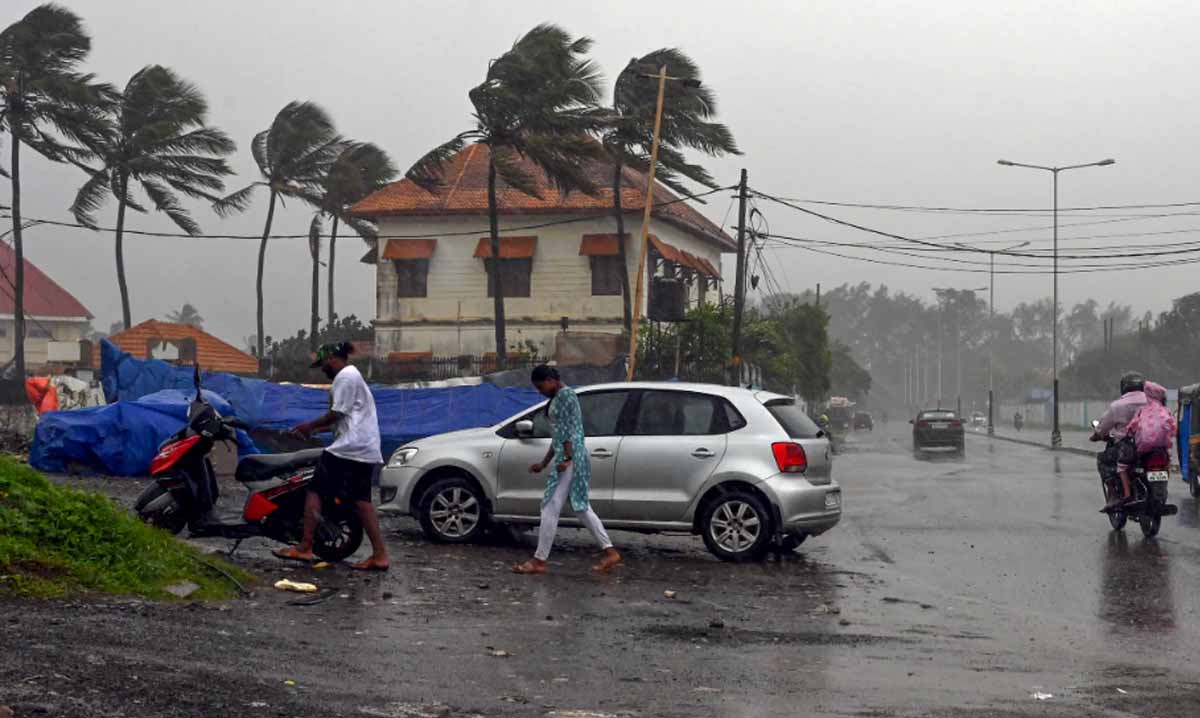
(744, 469)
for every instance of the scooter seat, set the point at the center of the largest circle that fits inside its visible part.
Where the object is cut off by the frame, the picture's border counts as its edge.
(260, 467)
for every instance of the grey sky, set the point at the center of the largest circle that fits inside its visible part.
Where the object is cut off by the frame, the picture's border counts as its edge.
(892, 102)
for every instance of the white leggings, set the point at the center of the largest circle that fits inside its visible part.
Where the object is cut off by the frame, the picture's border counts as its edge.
(550, 512)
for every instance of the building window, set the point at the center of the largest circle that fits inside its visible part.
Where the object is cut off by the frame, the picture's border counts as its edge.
(514, 276)
(606, 276)
(36, 331)
(411, 277)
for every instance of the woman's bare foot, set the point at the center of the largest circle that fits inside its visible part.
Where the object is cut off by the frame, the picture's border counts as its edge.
(530, 566)
(293, 553)
(611, 559)
(374, 563)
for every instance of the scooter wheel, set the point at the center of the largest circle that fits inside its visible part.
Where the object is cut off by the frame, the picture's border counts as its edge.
(339, 537)
(157, 507)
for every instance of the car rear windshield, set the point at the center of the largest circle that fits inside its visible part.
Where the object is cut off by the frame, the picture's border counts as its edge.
(793, 420)
(938, 415)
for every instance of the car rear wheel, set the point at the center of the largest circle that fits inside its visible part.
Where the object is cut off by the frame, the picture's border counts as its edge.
(1194, 486)
(737, 526)
(453, 510)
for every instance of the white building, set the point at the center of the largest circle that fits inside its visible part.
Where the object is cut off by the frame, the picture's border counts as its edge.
(55, 320)
(558, 254)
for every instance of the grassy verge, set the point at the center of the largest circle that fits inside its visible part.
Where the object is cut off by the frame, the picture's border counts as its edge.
(56, 541)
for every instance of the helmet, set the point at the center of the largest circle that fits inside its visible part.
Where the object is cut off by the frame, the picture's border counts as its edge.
(1132, 381)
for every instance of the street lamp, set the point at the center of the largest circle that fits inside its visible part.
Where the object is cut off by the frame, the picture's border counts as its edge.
(991, 429)
(1056, 433)
(662, 78)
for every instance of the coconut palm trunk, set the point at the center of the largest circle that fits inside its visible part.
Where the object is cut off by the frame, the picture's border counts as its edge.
(332, 252)
(497, 282)
(126, 314)
(19, 268)
(262, 260)
(619, 216)
(314, 319)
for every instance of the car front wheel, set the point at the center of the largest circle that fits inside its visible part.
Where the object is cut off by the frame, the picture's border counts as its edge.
(737, 526)
(453, 510)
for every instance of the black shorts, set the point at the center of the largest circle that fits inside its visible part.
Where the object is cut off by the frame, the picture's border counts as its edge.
(336, 477)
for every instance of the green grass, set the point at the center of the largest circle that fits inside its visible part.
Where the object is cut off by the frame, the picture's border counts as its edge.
(56, 541)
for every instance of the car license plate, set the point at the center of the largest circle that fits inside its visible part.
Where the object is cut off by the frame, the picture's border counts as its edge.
(939, 425)
(833, 500)
(1157, 475)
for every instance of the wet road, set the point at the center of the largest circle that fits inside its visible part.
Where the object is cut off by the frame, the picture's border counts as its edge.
(951, 588)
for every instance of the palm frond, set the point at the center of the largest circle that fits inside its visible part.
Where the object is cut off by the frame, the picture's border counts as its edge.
(258, 150)
(237, 201)
(426, 172)
(362, 227)
(509, 167)
(90, 198)
(564, 158)
(167, 203)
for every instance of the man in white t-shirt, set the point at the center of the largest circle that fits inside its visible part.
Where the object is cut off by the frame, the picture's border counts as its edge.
(348, 465)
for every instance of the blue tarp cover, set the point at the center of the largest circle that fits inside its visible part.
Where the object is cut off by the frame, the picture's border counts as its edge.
(119, 439)
(404, 414)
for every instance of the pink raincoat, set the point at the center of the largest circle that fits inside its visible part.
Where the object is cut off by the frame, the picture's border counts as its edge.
(1154, 426)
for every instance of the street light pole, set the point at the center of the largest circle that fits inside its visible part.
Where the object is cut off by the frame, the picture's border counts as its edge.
(1056, 432)
(991, 426)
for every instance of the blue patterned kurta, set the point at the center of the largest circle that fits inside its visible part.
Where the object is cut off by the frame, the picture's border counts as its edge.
(566, 421)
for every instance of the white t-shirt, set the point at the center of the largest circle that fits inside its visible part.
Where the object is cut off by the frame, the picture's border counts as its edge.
(357, 431)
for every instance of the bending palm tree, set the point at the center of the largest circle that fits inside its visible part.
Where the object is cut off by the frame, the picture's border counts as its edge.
(293, 156)
(687, 109)
(155, 138)
(536, 104)
(41, 89)
(360, 169)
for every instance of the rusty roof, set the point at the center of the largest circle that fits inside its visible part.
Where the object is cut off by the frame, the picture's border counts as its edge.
(464, 191)
(212, 353)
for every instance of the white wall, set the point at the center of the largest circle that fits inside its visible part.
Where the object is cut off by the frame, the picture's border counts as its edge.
(455, 317)
(36, 348)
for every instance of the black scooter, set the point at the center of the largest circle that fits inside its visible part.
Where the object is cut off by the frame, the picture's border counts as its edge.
(185, 490)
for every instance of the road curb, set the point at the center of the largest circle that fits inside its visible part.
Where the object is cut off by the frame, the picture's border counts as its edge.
(1038, 444)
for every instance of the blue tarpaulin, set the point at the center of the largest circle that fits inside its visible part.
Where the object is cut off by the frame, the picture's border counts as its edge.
(119, 439)
(404, 414)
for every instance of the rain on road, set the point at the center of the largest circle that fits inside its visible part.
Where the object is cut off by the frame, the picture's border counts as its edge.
(951, 588)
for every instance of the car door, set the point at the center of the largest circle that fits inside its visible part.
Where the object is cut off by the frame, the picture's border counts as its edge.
(520, 493)
(674, 442)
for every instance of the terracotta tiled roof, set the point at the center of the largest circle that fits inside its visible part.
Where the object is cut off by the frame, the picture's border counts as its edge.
(510, 247)
(409, 248)
(43, 296)
(212, 353)
(464, 191)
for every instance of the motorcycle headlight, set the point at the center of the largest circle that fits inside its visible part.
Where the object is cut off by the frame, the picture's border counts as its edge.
(402, 456)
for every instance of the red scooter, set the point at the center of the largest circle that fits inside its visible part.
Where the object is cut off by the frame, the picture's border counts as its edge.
(185, 490)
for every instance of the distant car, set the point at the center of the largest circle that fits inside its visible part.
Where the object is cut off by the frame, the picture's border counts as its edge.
(863, 421)
(736, 466)
(938, 431)
(978, 419)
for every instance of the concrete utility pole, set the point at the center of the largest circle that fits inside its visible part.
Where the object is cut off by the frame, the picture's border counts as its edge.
(739, 284)
(1056, 433)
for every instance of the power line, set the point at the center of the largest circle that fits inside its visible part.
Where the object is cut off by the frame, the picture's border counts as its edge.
(987, 210)
(427, 235)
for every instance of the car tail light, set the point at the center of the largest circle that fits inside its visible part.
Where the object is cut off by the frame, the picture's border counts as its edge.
(956, 423)
(922, 424)
(790, 457)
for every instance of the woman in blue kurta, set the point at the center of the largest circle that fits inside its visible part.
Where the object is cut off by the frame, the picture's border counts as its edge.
(570, 476)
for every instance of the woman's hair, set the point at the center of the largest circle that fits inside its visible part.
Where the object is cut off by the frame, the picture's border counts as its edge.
(543, 372)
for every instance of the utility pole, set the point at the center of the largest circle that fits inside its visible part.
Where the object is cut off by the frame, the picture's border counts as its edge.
(649, 207)
(739, 285)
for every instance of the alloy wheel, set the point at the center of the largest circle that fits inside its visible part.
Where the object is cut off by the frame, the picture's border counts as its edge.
(735, 526)
(454, 512)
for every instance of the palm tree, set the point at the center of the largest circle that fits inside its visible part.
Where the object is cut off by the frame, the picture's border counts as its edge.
(155, 138)
(188, 315)
(360, 169)
(687, 109)
(293, 155)
(42, 92)
(537, 103)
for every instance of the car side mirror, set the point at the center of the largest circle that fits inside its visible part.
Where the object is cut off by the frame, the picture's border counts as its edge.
(524, 429)
(911, 421)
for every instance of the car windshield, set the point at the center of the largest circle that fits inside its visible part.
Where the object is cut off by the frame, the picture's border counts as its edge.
(793, 420)
(937, 415)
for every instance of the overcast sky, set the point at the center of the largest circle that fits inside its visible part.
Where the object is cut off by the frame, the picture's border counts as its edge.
(887, 102)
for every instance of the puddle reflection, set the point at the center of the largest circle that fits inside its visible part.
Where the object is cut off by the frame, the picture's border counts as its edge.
(1135, 586)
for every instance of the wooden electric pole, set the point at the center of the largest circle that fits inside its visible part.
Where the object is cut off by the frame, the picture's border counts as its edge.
(739, 284)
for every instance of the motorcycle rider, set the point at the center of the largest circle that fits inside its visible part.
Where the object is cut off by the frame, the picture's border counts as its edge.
(1112, 428)
(1018, 421)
